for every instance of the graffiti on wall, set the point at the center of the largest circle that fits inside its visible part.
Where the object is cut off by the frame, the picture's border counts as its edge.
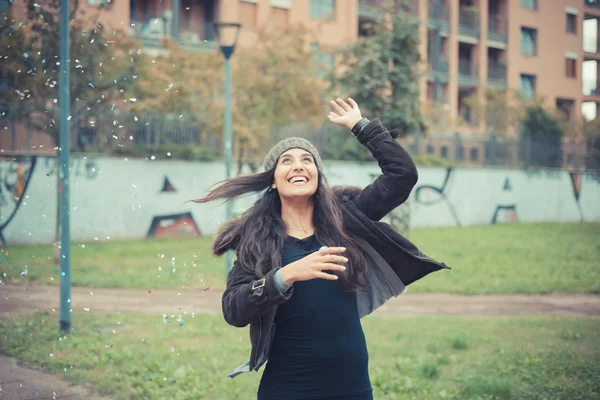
(429, 195)
(15, 177)
(172, 225)
(135, 201)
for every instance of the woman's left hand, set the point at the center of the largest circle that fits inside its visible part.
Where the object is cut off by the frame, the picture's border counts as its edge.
(344, 114)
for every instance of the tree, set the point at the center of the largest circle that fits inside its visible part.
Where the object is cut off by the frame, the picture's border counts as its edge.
(541, 138)
(380, 71)
(102, 65)
(274, 83)
(102, 68)
(591, 133)
(502, 110)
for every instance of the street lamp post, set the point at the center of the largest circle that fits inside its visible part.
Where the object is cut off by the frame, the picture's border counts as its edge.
(64, 155)
(227, 35)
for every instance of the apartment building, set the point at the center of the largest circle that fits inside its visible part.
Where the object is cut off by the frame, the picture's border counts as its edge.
(546, 49)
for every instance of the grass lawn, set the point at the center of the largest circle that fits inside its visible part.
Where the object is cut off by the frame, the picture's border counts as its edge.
(132, 356)
(513, 258)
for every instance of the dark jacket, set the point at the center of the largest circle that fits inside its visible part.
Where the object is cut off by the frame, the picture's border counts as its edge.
(393, 262)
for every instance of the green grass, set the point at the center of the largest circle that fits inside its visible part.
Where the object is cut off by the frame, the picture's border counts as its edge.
(410, 358)
(514, 258)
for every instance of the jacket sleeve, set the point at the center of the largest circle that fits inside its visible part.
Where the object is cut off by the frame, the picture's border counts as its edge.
(246, 298)
(399, 172)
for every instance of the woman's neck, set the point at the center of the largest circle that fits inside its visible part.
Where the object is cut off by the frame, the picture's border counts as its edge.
(297, 215)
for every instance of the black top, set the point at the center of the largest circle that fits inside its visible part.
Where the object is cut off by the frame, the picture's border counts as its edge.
(319, 349)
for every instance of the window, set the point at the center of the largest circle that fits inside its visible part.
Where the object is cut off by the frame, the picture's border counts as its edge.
(474, 154)
(571, 23)
(429, 149)
(528, 41)
(531, 4)
(444, 151)
(322, 9)
(527, 87)
(571, 68)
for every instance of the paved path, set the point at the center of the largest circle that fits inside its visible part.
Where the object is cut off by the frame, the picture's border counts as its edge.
(20, 382)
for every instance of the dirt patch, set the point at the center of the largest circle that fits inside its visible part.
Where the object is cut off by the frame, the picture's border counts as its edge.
(24, 298)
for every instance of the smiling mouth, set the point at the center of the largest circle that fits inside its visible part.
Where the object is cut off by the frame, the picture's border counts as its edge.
(298, 180)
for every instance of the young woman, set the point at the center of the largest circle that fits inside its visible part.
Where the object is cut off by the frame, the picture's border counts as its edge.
(312, 260)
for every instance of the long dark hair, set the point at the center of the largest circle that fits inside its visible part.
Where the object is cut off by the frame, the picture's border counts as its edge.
(259, 236)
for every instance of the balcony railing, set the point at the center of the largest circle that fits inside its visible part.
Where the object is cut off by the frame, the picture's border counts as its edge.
(468, 74)
(592, 3)
(591, 44)
(497, 29)
(441, 16)
(440, 72)
(152, 27)
(496, 75)
(469, 23)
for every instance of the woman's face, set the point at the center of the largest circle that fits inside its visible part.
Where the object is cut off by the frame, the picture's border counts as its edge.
(296, 174)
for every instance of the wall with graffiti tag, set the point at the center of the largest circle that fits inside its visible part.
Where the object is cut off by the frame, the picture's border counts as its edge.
(114, 198)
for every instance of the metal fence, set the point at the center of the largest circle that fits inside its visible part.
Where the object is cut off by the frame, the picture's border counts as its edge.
(107, 132)
(186, 136)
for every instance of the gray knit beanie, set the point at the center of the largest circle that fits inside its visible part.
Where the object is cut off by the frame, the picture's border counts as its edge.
(291, 143)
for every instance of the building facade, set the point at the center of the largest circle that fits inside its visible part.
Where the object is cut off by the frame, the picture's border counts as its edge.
(537, 48)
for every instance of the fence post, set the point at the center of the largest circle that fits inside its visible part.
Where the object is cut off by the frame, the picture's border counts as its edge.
(13, 126)
(457, 147)
(493, 144)
(416, 142)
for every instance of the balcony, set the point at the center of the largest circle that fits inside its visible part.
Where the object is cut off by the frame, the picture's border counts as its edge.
(592, 4)
(192, 28)
(468, 74)
(439, 17)
(497, 29)
(468, 20)
(591, 48)
(592, 94)
(496, 75)
(440, 72)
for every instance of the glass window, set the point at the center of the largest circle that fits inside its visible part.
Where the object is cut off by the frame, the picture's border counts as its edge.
(444, 151)
(531, 4)
(571, 23)
(429, 149)
(571, 68)
(322, 9)
(474, 154)
(527, 87)
(528, 41)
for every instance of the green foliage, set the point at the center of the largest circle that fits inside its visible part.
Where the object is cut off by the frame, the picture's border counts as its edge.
(428, 160)
(460, 342)
(380, 72)
(516, 258)
(541, 138)
(103, 64)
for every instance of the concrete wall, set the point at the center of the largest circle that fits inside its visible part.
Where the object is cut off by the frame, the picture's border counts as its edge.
(114, 198)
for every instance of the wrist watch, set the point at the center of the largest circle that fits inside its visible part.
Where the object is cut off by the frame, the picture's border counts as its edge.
(358, 126)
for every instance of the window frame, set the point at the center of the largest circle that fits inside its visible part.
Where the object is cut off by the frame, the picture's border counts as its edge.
(524, 4)
(574, 16)
(319, 5)
(535, 42)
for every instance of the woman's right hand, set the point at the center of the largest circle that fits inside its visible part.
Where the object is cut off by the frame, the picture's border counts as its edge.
(313, 265)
